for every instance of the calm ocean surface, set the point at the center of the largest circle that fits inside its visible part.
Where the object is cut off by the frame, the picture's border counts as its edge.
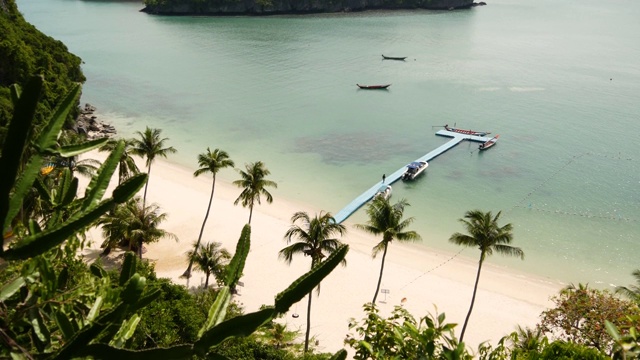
(558, 80)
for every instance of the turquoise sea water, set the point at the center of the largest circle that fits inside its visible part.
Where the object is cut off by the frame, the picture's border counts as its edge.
(558, 80)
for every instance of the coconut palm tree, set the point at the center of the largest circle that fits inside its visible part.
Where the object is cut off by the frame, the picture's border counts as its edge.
(528, 339)
(316, 241)
(133, 226)
(211, 258)
(632, 292)
(150, 146)
(253, 184)
(488, 236)
(126, 166)
(209, 162)
(386, 220)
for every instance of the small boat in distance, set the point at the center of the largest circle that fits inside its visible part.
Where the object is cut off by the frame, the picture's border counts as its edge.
(489, 143)
(383, 192)
(373, 87)
(414, 169)
(393, 58)
(466, 132)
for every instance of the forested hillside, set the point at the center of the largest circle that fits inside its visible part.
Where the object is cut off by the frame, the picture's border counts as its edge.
(25, 51)
(272, 7)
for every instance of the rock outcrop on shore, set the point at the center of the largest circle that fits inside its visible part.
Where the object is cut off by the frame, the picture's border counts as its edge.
(87, 124)
(275, 7)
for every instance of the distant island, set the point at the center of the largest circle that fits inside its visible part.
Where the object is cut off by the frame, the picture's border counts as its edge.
(278, 7)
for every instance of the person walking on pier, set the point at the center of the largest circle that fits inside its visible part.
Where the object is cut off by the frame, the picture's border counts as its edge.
(384, 177)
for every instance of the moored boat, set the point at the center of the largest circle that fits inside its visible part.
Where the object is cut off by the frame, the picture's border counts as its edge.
(374, 87)
(489, 143)
(466, 132)
(393, 58)
(414, 169)
(384, 192)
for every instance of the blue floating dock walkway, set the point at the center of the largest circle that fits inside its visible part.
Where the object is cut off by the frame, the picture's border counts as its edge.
(354, 205)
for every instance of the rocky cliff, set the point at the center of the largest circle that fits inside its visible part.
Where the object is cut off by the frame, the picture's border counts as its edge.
(273, 7)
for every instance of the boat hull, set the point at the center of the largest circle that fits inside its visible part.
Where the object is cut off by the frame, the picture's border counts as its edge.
(489, 143)
(414, 170)
(374, 87)
(384, 192)
(466, 132)
(393, 58)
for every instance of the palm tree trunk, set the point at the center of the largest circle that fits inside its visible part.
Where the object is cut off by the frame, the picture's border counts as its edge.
(146, 184)
(384, 254)
(306, 336)
(140, 248)
(187, 273)
(206, 281)
(121, 172)
(250, 213)
(473, 298)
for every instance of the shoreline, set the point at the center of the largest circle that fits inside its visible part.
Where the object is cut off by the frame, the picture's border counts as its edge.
(425, 277)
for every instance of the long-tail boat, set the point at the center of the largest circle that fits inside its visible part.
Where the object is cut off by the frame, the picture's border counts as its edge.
(489, 143)
(393, 58)
(466, 132)
(373, 87)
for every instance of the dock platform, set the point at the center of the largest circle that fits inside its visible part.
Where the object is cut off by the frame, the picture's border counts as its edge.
(457, 138)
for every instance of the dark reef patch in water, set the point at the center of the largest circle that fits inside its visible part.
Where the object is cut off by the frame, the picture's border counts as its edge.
(353, 147)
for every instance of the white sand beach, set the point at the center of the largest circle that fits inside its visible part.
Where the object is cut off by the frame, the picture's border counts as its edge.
(505, 299)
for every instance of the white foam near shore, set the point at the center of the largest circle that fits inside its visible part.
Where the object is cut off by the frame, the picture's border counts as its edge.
(423, 277)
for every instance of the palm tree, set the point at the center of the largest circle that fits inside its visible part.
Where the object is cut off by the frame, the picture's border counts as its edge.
(126, 166)
(211, 258)
(209, 162)
(149, 146)
(133, 226)
(632, 292)
(386, 220)
(485, 234)
(316, 241)
(528, 339)
(253, 184)
(85, 167)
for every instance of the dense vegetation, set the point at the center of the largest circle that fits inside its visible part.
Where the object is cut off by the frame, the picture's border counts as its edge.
(268, 7)
(52, 305)
(25, 51)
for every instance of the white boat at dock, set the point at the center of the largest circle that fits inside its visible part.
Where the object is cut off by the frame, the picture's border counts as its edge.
(384, 192)
(414, 169)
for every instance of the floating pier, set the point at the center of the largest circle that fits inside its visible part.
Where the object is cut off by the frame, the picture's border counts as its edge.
(457, 138)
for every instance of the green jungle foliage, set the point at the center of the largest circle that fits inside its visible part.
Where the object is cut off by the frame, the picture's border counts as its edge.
(52, 307)
(25, 51)
(581, 313)
(250, 348)
(401, 336)
(560, 350)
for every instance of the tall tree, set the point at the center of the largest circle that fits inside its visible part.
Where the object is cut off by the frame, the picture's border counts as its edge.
(209, 162)
(211, 258)
(580, 313)
(386, 220)
(488, 236)
(254, 183)
(150, 146)
(126, 165)
(316, 240)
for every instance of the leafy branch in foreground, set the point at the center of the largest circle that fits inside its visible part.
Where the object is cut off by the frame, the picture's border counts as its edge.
(400, 336)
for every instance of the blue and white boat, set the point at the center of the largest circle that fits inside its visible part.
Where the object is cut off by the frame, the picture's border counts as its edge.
(414, 169)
